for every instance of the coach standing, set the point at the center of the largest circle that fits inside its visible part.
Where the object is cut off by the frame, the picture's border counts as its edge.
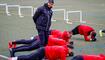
(42, 19)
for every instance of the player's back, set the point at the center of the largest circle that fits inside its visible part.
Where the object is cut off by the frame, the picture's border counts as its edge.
(55, 52)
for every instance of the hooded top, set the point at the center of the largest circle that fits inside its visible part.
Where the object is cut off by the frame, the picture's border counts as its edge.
(42, 17)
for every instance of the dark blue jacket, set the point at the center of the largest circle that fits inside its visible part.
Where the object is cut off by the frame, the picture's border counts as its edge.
(42, 17)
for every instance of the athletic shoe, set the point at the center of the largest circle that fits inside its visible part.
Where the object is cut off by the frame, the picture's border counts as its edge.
(14, 44)
(11, 52)
(100, 33)
(10, 44)
(32, 38)
(12, 58)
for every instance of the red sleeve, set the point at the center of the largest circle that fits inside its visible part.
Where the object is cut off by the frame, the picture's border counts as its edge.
(55, 41)
(63, 56)
(63, 53)
(101, 55)
(86, 38)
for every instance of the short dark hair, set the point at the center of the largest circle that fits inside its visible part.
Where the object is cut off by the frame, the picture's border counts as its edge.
(51, 1)
(93, 34)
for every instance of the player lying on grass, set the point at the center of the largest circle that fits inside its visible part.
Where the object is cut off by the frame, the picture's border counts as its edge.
(49, 52)
(65, 35)
(89, 57)
(34, 44)
(57, 33)
(101, 32)
(87, 31)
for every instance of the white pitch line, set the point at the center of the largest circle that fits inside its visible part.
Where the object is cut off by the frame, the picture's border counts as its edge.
(5, 57)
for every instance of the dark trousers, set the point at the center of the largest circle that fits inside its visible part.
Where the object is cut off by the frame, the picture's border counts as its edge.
(29, 45)
(37, 55)
(103, 31)
(24, 41)
(75, 31)
(78, 57)
(43, 35)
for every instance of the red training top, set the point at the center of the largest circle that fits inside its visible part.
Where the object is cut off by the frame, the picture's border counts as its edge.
(85, 30)
(55, 41)
(63, 35)
(93, 57)
(56, 52)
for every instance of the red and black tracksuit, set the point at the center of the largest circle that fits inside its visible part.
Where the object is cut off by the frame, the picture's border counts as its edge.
(49, 52)
(83, 30)
(56, 52)
(35, 43)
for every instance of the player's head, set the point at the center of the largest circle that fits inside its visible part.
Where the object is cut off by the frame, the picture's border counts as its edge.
(66, 36)
(93, 36)
(50, 3)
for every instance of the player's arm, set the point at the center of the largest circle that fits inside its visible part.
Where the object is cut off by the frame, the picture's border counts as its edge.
(63, 58)
(37, 14)
(63, 55)
(87, 38)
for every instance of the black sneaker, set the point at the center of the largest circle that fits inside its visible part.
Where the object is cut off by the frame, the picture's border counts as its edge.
(11, 53)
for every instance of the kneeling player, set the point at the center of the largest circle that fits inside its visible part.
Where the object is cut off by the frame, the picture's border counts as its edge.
(88, 32)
